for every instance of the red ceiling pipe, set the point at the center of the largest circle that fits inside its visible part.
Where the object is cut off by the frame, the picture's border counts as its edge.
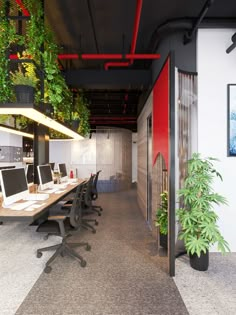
(134, 39)
(102, 56)
(23, 8)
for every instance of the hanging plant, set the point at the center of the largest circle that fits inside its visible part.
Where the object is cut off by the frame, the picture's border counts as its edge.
(82, 111)
(8, 37)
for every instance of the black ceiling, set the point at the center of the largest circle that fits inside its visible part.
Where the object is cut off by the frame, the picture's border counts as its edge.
(106, 27)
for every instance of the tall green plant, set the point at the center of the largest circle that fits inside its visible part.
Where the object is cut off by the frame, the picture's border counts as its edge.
(197, 217)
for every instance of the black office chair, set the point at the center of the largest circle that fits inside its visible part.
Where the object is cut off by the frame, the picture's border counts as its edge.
(86, 205)
(62, 225)
(94, 192)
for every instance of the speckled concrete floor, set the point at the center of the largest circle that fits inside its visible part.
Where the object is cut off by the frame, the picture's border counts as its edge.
(123, 274)
(212, 292)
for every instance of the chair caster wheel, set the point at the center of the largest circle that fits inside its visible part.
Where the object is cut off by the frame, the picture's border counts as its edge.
(47, 269)
(83, 263)
(93, 231)
(96, 222)
(88, 248)
(45, 237)
(39, 254)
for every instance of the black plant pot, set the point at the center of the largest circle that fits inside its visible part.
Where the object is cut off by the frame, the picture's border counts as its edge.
(164, 241)
(75, 124)
(24, 93)
(199, 263)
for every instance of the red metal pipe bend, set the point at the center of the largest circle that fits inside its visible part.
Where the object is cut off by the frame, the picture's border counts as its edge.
(134, 39)
(23, 8)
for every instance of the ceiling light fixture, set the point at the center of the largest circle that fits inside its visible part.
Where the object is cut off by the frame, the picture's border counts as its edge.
(16, 131)
(29, 111)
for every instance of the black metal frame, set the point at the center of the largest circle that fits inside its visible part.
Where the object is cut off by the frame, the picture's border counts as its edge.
(228, 119)
(171, 244)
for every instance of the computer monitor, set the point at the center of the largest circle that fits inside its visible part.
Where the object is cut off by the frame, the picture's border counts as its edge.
(4, 168)
(45, 176)
(30, 173)
(63, 171)
(52, 164)
(14, 185)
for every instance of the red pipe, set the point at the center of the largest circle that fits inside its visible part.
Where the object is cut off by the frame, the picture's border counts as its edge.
(134, 39)
(102, 56)
(23, 8)
(136, 25)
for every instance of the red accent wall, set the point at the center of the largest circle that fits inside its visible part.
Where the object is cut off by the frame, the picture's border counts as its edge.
(161, 115)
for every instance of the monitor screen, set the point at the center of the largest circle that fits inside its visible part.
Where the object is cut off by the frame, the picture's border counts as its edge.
(62, 169)
(52, 164)
(5, 168)
(45, 176)
(14, 185)
(30, 173)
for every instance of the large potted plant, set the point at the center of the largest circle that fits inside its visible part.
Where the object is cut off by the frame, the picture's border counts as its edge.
(197, 216)
(162, 219)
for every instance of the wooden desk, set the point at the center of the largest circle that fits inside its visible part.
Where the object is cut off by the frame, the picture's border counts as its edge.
(31, 216)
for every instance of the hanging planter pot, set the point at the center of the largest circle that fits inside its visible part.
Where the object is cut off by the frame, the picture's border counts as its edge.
(75, 124)
(200, 263)
(24, 93)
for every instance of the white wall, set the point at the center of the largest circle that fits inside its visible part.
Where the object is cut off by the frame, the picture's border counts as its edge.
(216, 69)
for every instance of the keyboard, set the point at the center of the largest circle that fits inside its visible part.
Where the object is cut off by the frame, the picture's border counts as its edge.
(50, 191)
(21, 205)
(37, 197)
(60, 186)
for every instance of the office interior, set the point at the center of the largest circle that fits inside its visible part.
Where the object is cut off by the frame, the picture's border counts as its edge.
(182, 106)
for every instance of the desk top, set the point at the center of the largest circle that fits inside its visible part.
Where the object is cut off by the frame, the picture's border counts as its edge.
(22, 215)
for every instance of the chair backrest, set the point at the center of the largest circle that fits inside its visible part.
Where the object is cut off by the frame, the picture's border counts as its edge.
(75, 211)
(94, 187)
(88, 191)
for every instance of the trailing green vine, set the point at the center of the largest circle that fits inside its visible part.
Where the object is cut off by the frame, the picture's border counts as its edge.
(8, 36)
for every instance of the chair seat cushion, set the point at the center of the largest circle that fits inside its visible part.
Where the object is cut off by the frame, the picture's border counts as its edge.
(53, 226)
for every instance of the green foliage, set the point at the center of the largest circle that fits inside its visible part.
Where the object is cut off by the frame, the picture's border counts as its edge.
(81, 108)
(197, 217)
(4, 119)
(25, 74)
(162, 214)
(7, 37)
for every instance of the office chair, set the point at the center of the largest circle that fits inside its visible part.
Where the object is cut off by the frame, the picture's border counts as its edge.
(86, 205)
(94, 192)
(61, 225)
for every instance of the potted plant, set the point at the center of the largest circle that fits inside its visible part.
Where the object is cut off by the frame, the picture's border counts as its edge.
(197, 216)
(162, 219)
(25, 81)
(75, 121)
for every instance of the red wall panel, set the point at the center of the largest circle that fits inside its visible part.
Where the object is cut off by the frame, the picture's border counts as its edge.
(161, 115)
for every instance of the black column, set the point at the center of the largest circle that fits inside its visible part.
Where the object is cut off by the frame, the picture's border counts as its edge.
(41, 147)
